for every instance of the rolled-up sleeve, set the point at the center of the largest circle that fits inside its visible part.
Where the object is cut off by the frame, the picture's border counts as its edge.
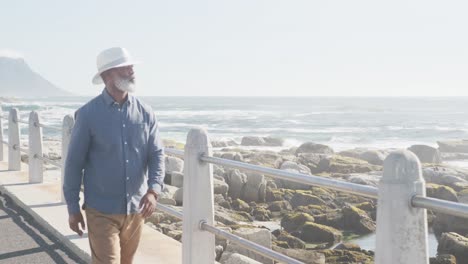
(155, 157)
(75, 162)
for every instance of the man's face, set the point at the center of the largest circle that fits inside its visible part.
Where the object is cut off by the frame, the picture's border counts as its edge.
(124, 78)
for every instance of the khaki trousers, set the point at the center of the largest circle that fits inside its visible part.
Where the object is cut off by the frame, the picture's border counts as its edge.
(113, 238)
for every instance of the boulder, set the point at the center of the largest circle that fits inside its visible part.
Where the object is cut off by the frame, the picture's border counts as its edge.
(252, 141)
(255, 188)
(273, 142)
(443, 259)
(452, 177)
(240, 205)
(453, 146)
(292, 241)
(441, 192)
(294, 221)
(177, 179)
(263, 158)
(302, 199)
(279, 206)
(232, 156)
(236, 181)
(173, 164)
(357, 220)
(304, 255)
(261, 214)
(258, 235)
(296, 168)
(426, 154)
(363, 179)
(454, 244)
(375, 157)
(223, 143)
(179, 196)
(234, 258)
(316, 233)
(220, 187)
(310, 160)
(345, 165)
(310, 147)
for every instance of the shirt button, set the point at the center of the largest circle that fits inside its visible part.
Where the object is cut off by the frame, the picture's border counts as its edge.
(126, 161)
(125, 142)
(128, 178)
(119, 109)
(123, 125)
(128, 195)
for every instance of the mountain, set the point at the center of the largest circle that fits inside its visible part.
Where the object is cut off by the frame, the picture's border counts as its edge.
(19, 80)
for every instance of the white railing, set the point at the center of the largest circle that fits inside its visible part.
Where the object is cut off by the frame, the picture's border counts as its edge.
(402, 202)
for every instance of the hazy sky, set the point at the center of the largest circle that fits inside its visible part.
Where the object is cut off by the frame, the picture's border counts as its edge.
(249, 47)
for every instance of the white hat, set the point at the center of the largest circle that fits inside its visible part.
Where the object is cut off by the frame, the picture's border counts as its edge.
(112, 58)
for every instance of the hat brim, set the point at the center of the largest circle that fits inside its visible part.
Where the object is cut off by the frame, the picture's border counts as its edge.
(97, 79)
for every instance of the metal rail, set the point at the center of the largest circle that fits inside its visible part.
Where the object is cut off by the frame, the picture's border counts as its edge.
(248, 244)
(353, 188)
(440, 206)
(168, 210)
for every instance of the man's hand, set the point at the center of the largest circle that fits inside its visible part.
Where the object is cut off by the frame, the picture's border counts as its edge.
(148, 204)
(74, 220)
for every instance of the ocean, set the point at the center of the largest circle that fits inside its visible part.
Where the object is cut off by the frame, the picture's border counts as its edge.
(340, 122)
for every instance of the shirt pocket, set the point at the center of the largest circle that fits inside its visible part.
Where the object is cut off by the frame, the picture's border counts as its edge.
(138, 134)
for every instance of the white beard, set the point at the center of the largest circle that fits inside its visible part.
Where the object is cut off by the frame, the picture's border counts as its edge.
(125, 85)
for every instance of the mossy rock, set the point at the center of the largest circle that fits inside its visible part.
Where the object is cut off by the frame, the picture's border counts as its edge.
(292, 241)
(357, 220)
(294, 221)
(317, 233)
(340, 164)
(283, 244)
(240, 205)
(347, 257)
(279, 206)
(302, 199)
(261, 214)
(441, 192)
(274, 195)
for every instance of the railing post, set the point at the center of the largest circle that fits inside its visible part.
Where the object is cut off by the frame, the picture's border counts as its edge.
(198, 246)
(14, 154)
(401, 229)
(35, 149)
(1, 134)
(67, 126)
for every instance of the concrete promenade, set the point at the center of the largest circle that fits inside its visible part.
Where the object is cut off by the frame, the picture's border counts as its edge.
(42, 202)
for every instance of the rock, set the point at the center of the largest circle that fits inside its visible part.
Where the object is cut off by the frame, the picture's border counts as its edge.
(255, 188)
(219, 251)
(232, 156)
(455, 178)
(316, 233)
(292, 241)
(296, 168)
(236, 181)
(279, 206)
(310, 160)
(460, 146)
(301, 199)
(273, 142)
(445, 156)
(263, 158)
(173, 164)
(229, 217)
(257, 235)
(223, 143)
(454, 244)
(310, 147)
(443, 259)
(346, 256)
(441, 192)
(294, 221)
(375, 157)
(220, 187)
(179, 196)
(261, 214)
(426, 154)
(348, 246)
(344, 165)
(357, 220)
(167, 201)
(252, 141)
(177, 179)
(447, 223)
(240, 205)
(363, 179)
(234, 258)
(306, 256)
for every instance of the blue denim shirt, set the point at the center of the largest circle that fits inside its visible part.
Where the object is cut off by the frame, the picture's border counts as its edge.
(117, 152)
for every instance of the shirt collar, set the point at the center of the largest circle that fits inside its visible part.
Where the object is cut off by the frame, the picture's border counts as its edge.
(109, 101)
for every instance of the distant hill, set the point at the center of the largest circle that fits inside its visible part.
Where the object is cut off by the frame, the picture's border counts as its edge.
(17, 79)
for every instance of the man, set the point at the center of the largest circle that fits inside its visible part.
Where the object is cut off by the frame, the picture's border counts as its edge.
(114, 142)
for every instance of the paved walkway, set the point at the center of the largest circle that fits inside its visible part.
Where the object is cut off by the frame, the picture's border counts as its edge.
(23, 240)
(28, 239)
